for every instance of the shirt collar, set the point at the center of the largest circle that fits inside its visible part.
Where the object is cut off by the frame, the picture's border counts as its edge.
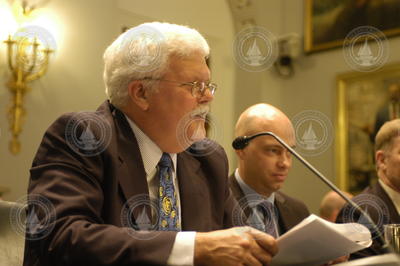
(248, 191)
(393, 195)
(150, 152)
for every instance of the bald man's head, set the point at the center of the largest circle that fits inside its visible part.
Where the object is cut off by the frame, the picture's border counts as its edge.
(331, 205)
(262, 117)
(264, 163)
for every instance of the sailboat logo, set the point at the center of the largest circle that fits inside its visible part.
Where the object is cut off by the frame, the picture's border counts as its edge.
(143, 221)
(88, 133)
(140, 216)
(373, 207)
(33, 217)
(143, 47)
(363, 219)
(199, 133)
(255, 49)
(313, 131)
(365, 49)
(33, 226)
(87, 140)
(255, 221)
(198, 136)
(365, 56)
(146, 57)
(254, 55)
(309, 139)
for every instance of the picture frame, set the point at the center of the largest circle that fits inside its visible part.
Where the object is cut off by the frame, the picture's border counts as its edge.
(327, 23)
(360, 96)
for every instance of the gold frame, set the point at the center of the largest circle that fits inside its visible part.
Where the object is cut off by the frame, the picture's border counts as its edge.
(310, 46)
(344, 85)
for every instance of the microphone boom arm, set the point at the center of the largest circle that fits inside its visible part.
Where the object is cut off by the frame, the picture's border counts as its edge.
(385, 245)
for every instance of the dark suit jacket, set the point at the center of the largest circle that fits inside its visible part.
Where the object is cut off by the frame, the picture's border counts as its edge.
(290, 211)
(88, 194)
(380, 218)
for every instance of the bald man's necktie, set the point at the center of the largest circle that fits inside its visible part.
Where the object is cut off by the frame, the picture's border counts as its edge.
(168, 208)
(270, 218)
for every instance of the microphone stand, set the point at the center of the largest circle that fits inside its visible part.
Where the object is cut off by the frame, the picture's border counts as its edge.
(385, 247)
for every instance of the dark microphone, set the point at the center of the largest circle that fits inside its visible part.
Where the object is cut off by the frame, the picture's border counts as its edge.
(241, 142)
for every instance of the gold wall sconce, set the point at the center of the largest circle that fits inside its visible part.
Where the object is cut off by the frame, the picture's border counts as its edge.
(28, 56)
(28, 6)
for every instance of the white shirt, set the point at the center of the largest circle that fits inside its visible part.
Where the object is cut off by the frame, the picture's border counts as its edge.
(183, 249)
(393, 195)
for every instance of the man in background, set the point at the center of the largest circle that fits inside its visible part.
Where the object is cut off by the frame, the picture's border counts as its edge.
(263, 166)
(391, 110)
(381, 200)
(331, 205)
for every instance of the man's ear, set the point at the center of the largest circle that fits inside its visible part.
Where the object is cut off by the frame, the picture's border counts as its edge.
(138, 94)
(380, 158)
(240, 153)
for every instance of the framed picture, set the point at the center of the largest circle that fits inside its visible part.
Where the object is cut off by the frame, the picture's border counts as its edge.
(362, 98)
(327, 23)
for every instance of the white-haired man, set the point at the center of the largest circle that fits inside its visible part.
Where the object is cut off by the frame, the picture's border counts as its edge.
(124, 166)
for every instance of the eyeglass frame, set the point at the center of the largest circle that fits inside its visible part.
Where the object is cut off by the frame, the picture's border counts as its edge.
(212, 87)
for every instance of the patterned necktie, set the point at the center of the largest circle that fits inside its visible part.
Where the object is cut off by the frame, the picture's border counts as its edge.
(168, 219)
(268, 209)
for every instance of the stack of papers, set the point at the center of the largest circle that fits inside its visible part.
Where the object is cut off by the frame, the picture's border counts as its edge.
(315, 241)
(380, 260)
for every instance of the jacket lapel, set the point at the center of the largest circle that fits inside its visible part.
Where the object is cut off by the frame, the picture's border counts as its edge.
(284, 212)
(191, 191)
(239, 195)
(130, 173)
(393, 214)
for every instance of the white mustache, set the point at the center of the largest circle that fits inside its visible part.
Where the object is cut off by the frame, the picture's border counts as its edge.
(201, 111)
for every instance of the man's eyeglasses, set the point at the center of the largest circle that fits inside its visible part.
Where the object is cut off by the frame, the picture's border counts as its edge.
(198, 87)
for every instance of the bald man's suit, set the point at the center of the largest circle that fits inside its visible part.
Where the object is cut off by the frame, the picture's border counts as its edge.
(290, 210)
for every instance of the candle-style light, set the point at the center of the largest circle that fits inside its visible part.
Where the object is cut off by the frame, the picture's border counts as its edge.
(28, 55)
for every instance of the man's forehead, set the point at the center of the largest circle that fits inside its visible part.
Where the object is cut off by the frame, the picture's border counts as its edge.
(189, 66)
(271, 141)
(396, 141)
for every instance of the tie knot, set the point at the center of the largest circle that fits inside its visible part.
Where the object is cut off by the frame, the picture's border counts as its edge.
(165, 160)
(266, 207)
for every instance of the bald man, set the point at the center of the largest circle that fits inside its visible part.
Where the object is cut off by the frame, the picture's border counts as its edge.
(331, 205)
(263, 166)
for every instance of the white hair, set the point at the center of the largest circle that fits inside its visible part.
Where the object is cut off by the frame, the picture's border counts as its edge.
(144, 52)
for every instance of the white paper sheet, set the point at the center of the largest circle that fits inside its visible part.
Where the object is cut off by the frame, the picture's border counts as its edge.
(315, 241)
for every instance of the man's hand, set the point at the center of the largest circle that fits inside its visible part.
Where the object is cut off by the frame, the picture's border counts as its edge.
(338, 260)
(235, 246)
